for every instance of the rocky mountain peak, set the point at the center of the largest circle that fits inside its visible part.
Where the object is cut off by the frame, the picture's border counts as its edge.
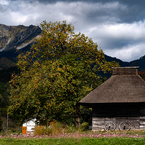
(14, 38)
(17, 37)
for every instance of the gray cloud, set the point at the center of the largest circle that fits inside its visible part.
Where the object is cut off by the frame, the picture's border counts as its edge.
(117, 26)
(130, 10)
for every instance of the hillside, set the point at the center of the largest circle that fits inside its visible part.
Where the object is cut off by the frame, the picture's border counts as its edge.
(14, 40)
(17, 39)
(139, 62)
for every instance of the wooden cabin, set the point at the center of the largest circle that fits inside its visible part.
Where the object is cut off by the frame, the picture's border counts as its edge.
(118, 103)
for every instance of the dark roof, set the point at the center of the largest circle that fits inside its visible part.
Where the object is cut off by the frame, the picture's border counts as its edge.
(124, 86)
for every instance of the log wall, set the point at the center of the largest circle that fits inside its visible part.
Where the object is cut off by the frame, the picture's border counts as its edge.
(99, 123)
(112, 114)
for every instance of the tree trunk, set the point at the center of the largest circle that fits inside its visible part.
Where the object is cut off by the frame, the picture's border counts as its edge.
(77, 116)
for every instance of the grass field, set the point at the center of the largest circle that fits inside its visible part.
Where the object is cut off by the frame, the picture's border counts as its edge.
(75, 137)
(83, 138)
(74, 141)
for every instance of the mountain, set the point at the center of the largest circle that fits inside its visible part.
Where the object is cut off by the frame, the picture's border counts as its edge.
(121, 63)
(17, 39)
(14, 40)
(139, 62)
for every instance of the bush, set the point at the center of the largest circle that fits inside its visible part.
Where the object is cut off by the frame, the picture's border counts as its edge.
(84, 126)
(53, 129)
(41, 130)
(71, 129)
(57, 128)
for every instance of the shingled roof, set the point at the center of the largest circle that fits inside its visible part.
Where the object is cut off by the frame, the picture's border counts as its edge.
(124, 86)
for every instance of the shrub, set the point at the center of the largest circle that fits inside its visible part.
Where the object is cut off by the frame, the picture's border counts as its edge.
(54, 128)
(71, 129)
(84, 126)
(41, 130)
(57, 128)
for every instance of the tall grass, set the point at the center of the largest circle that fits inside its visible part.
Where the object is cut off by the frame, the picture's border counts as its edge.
(53, 129)
(56, 128)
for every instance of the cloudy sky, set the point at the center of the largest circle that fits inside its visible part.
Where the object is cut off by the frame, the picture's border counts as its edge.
(118, 27)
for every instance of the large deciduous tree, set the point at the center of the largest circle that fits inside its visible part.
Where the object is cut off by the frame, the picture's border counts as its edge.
(58, 71)
(142, 74)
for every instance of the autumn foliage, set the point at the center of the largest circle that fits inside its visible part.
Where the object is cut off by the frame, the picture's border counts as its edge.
(58, 71)
(142, 74)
